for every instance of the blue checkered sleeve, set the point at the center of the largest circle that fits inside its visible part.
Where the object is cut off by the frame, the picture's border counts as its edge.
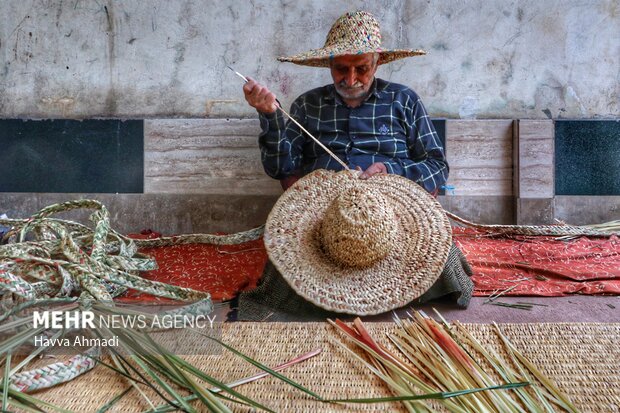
(281, 143)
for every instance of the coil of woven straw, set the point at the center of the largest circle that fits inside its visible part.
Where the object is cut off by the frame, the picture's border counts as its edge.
(55, 265)
(534, 230)
(55, 373)
(358, 246)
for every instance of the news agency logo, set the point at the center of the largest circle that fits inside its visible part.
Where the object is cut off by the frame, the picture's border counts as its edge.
(64, 319)
(72, 331)
(87, 319)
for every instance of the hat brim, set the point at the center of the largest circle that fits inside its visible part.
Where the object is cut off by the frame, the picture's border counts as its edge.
(321, 57)
(412, 266)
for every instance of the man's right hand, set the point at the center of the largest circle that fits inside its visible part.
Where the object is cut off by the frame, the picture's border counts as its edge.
(259, 97)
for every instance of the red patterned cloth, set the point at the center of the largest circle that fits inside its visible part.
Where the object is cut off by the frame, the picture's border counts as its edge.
(222, 270)
(541, 266)
(534, 266)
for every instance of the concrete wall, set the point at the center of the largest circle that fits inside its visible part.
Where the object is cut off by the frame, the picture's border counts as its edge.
(487, 59)
(205, 175)
(494, 62)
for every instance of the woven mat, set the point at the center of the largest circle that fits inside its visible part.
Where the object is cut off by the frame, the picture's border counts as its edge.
(581, 358)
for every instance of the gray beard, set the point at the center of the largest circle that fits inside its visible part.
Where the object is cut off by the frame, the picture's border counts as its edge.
(362, 96)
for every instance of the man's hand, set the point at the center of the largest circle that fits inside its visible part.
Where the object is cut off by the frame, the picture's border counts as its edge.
(259, 97)
(375, 168)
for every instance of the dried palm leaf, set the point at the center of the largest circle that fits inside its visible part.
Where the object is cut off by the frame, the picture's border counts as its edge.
(448, 360)
(49, 262)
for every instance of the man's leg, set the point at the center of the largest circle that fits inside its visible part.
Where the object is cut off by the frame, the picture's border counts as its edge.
(454, 280)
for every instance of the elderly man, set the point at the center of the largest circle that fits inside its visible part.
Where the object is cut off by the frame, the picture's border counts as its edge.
(369, 123)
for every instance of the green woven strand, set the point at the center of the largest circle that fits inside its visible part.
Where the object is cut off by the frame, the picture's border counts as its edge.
(68, 206)
(55, 373)
(131, 264)
(67, 258)
(231, 239)
(91, 284)
(37, 303)
(102, 227)
(34, 271)
(534, 230)
(68, 282)
(43, 289)
(16, 285)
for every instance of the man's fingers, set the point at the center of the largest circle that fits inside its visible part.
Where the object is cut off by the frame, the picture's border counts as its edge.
(375, 168)
(259, 97)
(254, 90)
(249, 85)
(363, 174)
(267, 99)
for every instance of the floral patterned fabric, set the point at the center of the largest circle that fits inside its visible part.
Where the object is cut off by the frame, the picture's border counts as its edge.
(532, 266)
(541, 266)
(222, 270)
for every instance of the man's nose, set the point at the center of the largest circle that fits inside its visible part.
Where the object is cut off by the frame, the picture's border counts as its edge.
(351, 77)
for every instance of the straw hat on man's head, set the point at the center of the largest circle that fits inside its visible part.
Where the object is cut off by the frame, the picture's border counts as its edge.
(352, 34)
(358, 246)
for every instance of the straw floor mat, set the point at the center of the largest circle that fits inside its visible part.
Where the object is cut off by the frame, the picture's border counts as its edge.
(581, 358)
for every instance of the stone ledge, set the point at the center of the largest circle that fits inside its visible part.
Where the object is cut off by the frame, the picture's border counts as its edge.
(535, 211)
(481, 209)
(585, 210)
(165, 213)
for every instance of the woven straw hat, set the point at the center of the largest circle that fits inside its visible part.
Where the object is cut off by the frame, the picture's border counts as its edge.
(358, 246)
(353, 33)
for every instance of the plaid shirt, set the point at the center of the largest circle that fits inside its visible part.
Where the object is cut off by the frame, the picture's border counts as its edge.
(391, 126)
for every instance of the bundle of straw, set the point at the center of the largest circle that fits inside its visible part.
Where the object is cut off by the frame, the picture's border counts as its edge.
(443, 359)
(49, 263)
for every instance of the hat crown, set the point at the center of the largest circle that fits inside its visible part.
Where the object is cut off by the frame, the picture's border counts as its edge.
(355, 30)
(358, 229)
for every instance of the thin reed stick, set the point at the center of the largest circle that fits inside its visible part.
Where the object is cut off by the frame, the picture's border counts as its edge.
(300, 127)
(315, 139)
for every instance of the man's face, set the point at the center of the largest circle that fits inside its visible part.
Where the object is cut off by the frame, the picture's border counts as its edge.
(353, 75)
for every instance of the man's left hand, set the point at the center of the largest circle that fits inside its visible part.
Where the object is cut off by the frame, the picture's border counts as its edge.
(375, 168)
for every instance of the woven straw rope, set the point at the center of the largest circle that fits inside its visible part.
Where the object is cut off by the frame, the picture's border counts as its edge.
(55, 373)
(55, 265)
(545, 230)
(579, 358)
(59, 278)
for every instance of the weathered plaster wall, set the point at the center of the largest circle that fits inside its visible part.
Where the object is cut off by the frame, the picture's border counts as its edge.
(500, 59)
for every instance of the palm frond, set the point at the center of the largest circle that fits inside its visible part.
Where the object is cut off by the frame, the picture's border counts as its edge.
(443, 363)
